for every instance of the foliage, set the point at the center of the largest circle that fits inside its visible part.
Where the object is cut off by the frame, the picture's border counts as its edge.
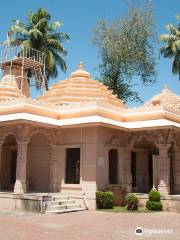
(40, 33)
(105, 200)
(126, 50)
(171, 48)
(154, 195)
(154, 202)
(155, 206)
(131, 201)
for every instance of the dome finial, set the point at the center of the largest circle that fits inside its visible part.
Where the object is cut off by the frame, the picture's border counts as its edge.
(165, 87)
(80, 72)
(80, 65)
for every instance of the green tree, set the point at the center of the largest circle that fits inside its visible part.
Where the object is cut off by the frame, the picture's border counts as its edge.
(126, 47)
(40, 33)
(171, 48)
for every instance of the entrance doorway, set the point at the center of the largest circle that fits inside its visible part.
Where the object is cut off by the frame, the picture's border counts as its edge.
(8, 164)
(73, 165)
(172, 169)
(13, 166)
(150, 170)
(113, 166)
(133, 170)
(153, 168)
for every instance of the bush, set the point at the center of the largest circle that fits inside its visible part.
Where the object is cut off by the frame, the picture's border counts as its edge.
(155, 206)
(131, 201)
(154, 196)
(105, 200)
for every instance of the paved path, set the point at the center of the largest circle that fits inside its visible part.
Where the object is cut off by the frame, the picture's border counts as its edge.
(89, 226)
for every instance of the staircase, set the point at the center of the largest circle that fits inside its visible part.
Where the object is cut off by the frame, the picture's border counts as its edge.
(62, 204)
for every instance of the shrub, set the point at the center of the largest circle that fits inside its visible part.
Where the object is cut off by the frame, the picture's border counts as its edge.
(105, 200)
(154, 196)
(155, 206)
(131, 201)
(154, 202)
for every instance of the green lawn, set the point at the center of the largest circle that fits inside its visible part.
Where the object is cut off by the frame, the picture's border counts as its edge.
(120, 209)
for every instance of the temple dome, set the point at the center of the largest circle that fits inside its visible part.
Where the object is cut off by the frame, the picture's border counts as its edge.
(80, 72)
(9, 90)
(80, 88)
(167, 99)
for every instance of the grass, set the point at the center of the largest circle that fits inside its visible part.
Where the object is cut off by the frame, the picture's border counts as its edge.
(121, 209)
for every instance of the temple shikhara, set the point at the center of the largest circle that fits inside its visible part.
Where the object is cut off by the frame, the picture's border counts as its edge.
(78, 138)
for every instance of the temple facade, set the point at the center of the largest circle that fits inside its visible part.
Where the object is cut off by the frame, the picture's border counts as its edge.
(78, 138)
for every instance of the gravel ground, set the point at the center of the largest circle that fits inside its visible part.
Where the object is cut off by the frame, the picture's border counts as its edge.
(89, 225)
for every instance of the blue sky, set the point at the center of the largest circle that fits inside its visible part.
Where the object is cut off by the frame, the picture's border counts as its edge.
(79, 17)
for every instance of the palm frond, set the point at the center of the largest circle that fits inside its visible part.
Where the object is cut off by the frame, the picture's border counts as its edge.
(167, 37)
(176, 65)
(172, 47)
(171, 28)
(39, 33)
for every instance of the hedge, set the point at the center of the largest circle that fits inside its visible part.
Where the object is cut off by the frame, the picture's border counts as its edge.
(105, 200)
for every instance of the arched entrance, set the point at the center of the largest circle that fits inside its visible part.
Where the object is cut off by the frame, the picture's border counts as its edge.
(38, 164)
(8, 164)
(144, 166)
(113, 166)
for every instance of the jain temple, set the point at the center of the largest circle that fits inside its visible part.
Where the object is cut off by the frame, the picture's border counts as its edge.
(78, 138)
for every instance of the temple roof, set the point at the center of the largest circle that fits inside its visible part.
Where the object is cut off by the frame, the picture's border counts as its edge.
(82, 100)
(79, 88)
(9, 90)
(165, 98)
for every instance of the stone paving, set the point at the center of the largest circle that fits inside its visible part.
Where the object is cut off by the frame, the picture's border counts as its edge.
(89, 225)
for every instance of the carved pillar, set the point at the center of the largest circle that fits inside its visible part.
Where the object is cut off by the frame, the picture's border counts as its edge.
(164, 169)
(106, 165)
(20, 184)
(121, 167)
(54, 169)
(126, 177)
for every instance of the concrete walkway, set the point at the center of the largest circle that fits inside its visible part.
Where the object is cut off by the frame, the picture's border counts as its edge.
(89, 225)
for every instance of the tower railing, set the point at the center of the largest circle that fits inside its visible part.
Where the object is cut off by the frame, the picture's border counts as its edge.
(20, 51)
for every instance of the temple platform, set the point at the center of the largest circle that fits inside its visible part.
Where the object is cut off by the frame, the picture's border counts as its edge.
(39, 202)
(26, 202)
(35, 201)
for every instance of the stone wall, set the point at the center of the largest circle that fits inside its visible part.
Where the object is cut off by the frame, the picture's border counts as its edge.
(38, 164)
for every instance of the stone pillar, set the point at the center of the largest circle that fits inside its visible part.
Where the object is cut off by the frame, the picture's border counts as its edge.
(121, 166)
(102, 166)
(54, 169)
(20, 184)
(126, 177)
(164, 170)
(106, 166)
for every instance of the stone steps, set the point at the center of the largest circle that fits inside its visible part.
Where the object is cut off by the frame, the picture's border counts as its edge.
(62, 204)
(67, 206)
(65, 210)
(62, 201)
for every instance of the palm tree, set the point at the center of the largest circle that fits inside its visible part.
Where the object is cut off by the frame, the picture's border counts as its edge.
(171, 49)
(40, 33)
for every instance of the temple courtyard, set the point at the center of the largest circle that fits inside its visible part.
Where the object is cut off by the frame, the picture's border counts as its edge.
(89, 225)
